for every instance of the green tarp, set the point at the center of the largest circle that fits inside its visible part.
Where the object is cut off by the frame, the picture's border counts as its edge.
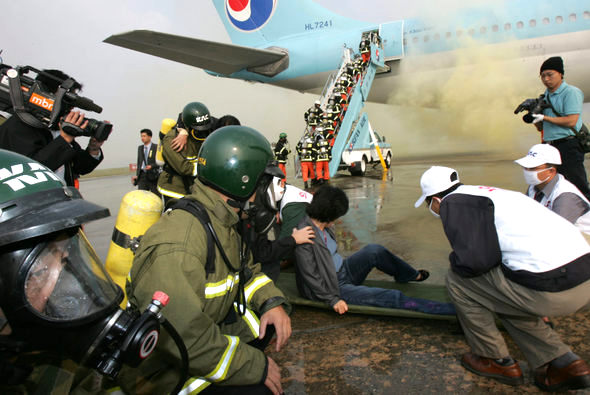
(418, 290)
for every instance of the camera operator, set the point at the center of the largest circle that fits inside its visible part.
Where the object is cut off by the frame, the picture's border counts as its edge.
(557, 121)
(53, 147)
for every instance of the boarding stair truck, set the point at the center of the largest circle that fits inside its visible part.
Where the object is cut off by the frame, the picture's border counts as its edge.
(356, 144)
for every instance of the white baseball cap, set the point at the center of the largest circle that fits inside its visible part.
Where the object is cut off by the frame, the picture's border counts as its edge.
(540, 154)
(435, 180)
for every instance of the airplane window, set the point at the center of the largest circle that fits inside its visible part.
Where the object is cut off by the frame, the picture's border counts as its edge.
(448, 35)
(545, 21)
(471, 32)
(426, 38)
(459, 33)
(437, 36)
(415, 40)
(405, 41)
(519, 25)
(572, 17)
(586, 14)
(495, 28)
(507, 26)
(558, 19)
(532, 23)
(483, 30)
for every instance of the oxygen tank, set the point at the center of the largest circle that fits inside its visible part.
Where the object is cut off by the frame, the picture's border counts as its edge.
(167, 124)
(138, 211)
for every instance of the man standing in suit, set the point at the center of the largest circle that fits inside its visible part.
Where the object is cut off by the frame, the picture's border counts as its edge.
(147, 173)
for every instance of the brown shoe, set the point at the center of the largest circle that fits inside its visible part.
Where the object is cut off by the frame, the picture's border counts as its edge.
(511, 374)
(574, 376)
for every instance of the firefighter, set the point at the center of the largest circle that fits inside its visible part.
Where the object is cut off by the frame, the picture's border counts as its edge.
(222, 306)
(323, 156)
(334, 109)
(365, 50)
(329, 131)
(282, 151)
(306, 152)
(180, 168)
(313, 114)
(57, 301)
(357, 68)
(347, 81)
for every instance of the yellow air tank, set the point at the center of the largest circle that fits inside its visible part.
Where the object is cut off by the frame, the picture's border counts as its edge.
(139, 210)
(167, 124)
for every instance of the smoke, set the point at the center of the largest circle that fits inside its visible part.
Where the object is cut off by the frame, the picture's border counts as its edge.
(472, 96)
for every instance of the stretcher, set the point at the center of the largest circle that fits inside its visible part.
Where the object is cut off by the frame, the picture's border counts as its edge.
(437, 292)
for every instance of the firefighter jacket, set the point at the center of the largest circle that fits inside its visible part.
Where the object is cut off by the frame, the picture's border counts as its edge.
(281, 151)
(306, 151)
(180, 168)
(323, 150)
(334, 111)
(313, 115)
(171, 257)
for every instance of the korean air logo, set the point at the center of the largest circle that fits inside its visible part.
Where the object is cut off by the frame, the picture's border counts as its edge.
(249, 15)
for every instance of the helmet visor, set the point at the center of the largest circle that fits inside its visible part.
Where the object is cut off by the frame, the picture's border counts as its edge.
(66, 280)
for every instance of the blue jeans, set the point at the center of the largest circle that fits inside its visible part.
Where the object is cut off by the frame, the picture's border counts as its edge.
(355, 269)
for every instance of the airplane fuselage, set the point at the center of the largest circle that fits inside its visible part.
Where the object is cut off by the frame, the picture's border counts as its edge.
(522, 40)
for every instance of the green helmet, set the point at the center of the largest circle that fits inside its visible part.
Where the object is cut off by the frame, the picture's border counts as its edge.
(196, 116)
(35, 202)
(233, 159)
(283, 135)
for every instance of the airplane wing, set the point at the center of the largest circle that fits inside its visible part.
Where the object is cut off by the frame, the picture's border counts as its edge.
(213, 56)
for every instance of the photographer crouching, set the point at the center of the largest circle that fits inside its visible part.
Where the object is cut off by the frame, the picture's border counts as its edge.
(558, 115)
(44, 124)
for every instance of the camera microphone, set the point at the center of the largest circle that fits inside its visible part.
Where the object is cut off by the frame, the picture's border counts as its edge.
(84, 103)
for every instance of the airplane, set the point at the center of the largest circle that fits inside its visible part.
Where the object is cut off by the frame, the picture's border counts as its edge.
(299, 44)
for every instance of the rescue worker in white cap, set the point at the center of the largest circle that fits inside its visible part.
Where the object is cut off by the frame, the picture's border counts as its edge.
(514, 260)
(551, 189)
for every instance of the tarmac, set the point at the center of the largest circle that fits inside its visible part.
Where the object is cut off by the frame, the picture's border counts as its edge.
(363, 354)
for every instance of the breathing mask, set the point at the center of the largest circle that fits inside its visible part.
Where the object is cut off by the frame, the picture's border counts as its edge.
(55, 294)
(531, 177)
(64, 302)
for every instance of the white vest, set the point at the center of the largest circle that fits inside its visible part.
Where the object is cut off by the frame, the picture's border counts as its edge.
(531, 237)
(561, 186)
(294, 194)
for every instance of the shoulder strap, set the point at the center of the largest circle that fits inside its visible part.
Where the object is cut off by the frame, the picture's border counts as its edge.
(196, 209)
(199, 212)
(16, 97)
(573, 129)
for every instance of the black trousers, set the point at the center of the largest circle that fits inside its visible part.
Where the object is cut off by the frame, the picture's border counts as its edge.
(145, 184)
(572, 164)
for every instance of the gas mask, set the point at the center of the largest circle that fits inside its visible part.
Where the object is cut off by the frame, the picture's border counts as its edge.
(56, 297)
(263, 212)
(64, 302)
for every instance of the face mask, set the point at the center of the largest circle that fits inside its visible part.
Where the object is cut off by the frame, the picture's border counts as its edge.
(531, 177)
(431, 210)
(275, 192)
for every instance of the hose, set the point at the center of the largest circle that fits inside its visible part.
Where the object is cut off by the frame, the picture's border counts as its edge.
(183, 355)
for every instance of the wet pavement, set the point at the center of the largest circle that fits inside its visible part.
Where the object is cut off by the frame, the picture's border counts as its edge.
(352, 354)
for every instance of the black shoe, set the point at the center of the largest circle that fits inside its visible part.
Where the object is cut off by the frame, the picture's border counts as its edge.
(305, 186)
(423, 274)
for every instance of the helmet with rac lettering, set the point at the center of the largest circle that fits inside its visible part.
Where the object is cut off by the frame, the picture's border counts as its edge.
(196, 116)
